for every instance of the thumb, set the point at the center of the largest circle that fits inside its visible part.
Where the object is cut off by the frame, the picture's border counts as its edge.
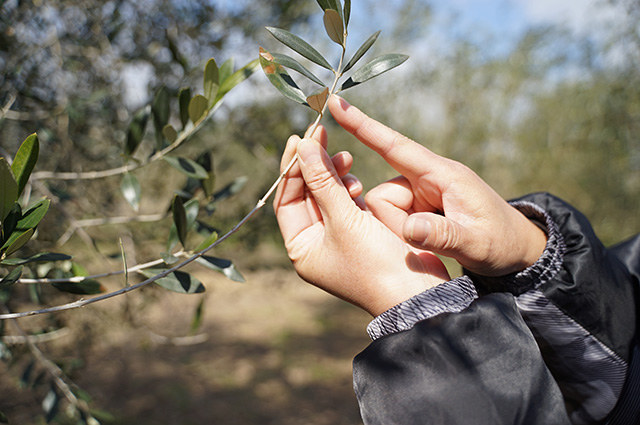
(435, 233)
(322, 179)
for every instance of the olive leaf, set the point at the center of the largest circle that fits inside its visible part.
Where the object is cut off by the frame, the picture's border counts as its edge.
(86, 287)
(225, 71)
(223, 266)
(317, 100)
(14, 244)
(334, 26)
(187, 167)
(211, 82)
(130, 188)
(184, 98)
(178, 281)
(279, 77)
(361, 51)
(291, 63)
(25, 160)
(43, 257)
(213, 236)
(377, 66)
(347, 12)
(137, 128)
(180, 219)
(198, 108)
(8, 189)
(11, 278)
(236, 78)
(170, 133)
(160, 109)
(28, 221)
(300, 46)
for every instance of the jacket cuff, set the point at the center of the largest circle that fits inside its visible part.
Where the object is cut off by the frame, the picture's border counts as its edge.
(449, 297)
(549, 263)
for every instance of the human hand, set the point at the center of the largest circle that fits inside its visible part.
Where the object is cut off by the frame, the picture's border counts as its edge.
(336, 245)
(442, 206)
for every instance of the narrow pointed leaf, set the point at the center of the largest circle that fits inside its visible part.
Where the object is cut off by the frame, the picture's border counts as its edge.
(300, 46)
(86, 287)
(291, 63)
(43, 257)
(347, 12)
(207, 241)
(317, 100)
(11, 278)
(361, 51)
(198, 108)
(211, 82)
(10, 222)
(130, 188)
(334, 26)
(374, 68)
(178, 281)
(231, 189)
(187, 166)
(180, 219)
(236, 78)
(160, 109)
(25, 160)
(18, 242)
(280, 79)
(191, 208)
(324, 4)
(137, 128)
(170, 133)
(8, 189)
(223, 266)
(184, 98)
(28, 220)
(225, 71)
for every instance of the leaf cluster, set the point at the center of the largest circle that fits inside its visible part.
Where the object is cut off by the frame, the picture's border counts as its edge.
(336, 22)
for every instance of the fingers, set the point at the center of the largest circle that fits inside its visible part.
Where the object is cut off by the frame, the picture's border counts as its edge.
(391, 203)
(406, 156)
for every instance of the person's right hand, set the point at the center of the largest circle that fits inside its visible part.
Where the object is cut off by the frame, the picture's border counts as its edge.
(442, 206)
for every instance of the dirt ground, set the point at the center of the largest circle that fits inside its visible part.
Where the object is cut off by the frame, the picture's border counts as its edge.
(270, 351)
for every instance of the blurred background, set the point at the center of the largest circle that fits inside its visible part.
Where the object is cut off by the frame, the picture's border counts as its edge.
(534, 96)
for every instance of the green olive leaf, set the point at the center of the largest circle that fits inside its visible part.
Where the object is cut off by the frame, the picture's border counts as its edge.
(11, 278)
(180, 219)
(347, 12)
(184, 98)
(187, 167)
(137, 128)
(170, 133)
(279, 77)
(130, 188)
(198, 108)
(15, 244)
(300, 46)
(211, 82)
(225, 71)
(361, 51)
(160, 109)
(291, 63)
(236, 78)
(377, 66)
(25, 160)
(225, 267)
(8, 189)
(178, 281)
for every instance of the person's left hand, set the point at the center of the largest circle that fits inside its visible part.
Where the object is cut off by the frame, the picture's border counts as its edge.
(335, 244)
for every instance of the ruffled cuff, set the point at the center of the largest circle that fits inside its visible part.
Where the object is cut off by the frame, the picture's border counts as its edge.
(542, 270)
(449, 297)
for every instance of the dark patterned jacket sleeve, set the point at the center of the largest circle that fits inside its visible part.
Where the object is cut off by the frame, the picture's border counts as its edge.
(579, 303)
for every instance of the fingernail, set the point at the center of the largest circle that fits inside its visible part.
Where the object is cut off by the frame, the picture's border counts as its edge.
(308, 151)
(343, 103)
(416, 230)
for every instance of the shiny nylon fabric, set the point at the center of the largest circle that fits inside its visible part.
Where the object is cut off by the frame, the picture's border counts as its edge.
(443, 371)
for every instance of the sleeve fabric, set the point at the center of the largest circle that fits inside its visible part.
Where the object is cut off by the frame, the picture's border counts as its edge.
(577, 311)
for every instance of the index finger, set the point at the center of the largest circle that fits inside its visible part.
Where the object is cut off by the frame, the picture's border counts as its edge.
(408, 157)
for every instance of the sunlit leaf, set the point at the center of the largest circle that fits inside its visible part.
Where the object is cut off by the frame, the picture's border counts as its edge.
(225, 71)
(211, 82)
(236, 78)
(160, 109)
(11, 278)
(137, 128)
(25, 160)
(86, 287)
(374, 68)
(130, 188)
(8, 189)
(187, 166)
(317, 100)
(170, 133)
(280, 79)
(180, 219)
(184, 98)
(207, 241)
(18, 242)
(198, 108)
(43, 257)
(291, 63)
(223, 266)
(178, 281)
(300, 46)
(361, 51)
(334, 26)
